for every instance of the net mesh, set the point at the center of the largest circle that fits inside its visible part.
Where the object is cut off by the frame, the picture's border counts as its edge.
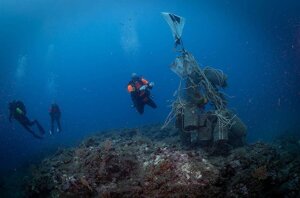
(187, 68)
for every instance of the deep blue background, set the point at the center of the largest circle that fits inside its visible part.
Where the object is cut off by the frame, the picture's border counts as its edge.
(81, 54)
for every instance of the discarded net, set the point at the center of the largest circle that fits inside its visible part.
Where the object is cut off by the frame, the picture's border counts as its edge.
(187, 68)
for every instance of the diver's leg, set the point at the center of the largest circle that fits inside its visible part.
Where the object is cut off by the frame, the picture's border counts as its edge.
(140, 107)
(58, 124)
(151, 103)
(135, 102)
(37, 136)
(52, 126)
(31, 131)
(27, 127)
(41, 129)
(27, 122)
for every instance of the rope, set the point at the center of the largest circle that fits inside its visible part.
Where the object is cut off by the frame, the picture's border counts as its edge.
(210, 92)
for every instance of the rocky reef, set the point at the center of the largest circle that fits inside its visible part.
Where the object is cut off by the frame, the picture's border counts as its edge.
(149, 162)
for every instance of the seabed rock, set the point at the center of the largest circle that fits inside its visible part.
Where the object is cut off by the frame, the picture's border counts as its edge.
(149, 162)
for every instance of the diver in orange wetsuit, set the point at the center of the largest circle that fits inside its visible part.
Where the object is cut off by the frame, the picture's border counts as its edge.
(139, 89)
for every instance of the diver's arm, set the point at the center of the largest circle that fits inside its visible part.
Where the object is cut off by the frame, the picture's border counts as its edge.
(144, 81)
(151, 85)
(148, 84)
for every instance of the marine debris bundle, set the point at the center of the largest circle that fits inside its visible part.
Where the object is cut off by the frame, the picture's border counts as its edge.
(199, 86)
(149, 162)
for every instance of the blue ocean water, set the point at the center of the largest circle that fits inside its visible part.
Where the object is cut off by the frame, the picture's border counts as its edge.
(81, 54)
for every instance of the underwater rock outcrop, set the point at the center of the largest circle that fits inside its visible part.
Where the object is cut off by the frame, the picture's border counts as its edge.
(149, 162)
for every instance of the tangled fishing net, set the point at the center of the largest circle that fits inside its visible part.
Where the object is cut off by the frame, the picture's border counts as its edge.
(208, 80)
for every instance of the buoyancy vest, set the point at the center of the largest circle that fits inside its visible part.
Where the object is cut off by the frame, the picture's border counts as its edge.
(137, 84)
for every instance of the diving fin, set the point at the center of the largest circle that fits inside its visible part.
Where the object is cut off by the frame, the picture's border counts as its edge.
(37, 136)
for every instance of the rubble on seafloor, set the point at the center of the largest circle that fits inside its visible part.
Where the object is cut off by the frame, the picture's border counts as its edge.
(149, 162)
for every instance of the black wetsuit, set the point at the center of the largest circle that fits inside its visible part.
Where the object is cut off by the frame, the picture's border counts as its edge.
(18, 112)
(55, 115)
(141, 98)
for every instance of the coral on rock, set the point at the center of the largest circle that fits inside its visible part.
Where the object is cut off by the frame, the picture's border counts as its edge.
(149, 162)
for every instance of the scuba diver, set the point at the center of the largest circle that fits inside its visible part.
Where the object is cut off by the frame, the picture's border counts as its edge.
(17, 111)
(55, 115)
(139, 89)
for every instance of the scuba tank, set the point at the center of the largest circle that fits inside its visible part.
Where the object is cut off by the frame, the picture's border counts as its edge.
(19, 111)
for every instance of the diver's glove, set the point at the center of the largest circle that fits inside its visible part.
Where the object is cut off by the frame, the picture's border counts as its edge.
(151, 84)
(143, 88)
